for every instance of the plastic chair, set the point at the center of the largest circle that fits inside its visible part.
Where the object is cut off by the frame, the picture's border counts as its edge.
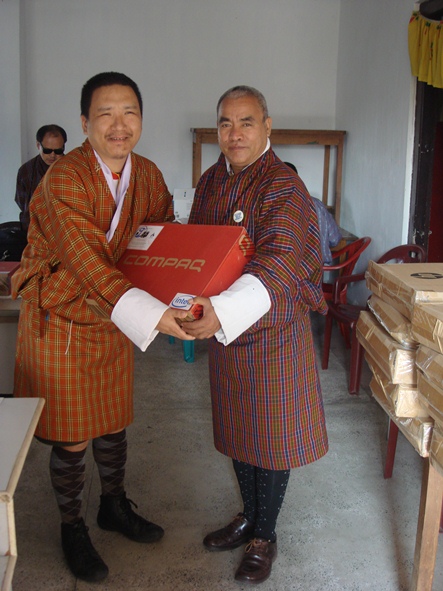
(347, 314)
(346, 258)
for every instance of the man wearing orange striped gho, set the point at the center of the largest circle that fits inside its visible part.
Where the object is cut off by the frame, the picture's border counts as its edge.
(83, 216)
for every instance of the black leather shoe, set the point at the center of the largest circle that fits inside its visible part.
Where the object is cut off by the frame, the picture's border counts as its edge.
(232, 536)
(256, 564)
(81, 556)
(116, 514)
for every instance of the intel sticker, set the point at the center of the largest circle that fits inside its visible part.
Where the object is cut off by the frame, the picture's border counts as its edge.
(181, 301)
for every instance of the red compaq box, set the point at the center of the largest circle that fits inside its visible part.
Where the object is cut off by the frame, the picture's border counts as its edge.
(7, 270)
(174, 262)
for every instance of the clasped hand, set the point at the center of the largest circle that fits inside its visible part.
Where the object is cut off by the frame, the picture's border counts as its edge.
(207, 325)
(171, 324)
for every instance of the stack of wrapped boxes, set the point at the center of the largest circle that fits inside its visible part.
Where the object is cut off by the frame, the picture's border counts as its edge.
(400, 336)
(427, 326)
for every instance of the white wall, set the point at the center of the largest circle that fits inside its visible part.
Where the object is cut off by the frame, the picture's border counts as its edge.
(10, 121)
(339, 64)
(375, 100)
(183, 54)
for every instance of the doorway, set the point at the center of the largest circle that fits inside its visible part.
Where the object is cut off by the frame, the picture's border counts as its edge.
(427, 178)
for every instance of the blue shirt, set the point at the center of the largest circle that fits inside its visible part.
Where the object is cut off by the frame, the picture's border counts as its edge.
(330, 234)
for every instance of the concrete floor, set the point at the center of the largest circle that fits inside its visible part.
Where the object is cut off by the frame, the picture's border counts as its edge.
(342, 526)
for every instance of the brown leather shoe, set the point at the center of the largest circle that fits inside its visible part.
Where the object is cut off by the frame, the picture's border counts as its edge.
(256, 564)
(232, 536)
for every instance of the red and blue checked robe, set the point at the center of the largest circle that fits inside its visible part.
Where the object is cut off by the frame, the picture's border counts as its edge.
(266, 398)
(81, 364)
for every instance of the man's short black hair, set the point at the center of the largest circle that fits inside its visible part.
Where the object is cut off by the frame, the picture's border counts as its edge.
(53, 130)
(291, 166)
(106, 79)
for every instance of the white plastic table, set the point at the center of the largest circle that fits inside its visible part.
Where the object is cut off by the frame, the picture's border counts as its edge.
(18, 419)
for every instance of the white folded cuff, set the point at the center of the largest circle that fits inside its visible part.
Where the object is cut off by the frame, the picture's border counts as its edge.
(136, 314)
(240, 306)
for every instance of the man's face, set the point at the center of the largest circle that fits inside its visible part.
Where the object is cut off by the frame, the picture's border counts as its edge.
(51, 142)
(114, 124)
(242, 132)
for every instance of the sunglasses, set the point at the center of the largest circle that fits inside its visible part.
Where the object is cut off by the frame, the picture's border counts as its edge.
(58, 151)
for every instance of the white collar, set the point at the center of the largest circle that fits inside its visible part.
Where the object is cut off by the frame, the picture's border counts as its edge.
(117, 189)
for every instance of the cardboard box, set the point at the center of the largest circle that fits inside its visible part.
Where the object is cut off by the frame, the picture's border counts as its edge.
(397, 325)
(405, 285)
(431, 396)
(380, 395)
(427, 325)
(397, 363)
(7, 270)
(430, 381)
(403, 401)
(436, 450)
(430, 362)
(417, 431)
(174, 262)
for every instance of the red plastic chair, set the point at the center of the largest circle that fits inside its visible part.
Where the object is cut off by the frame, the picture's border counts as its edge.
(345, 260)
(347, 314)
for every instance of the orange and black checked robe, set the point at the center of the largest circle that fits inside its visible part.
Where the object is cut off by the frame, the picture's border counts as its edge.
(80, 364)
(266, 399)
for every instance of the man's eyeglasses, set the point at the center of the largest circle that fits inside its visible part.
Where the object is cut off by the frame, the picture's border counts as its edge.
(58, 151)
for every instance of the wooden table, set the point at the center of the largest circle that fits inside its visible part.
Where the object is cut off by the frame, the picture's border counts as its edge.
(426, 541)
(284, 137)
(18, 419)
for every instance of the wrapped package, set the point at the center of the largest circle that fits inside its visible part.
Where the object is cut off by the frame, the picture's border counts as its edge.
(407, 284)
(397, 363)
(417, 431)
(431, 364)
(436, 450)
(430, 381)
(431, 396)
(380, 395)
(403, 400)
(427, 325)
(397, 325)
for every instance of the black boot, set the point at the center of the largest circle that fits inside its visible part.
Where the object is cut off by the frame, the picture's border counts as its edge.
(116, 514)
(81, 556)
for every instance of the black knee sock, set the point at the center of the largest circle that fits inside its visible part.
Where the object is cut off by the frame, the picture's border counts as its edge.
(110, 456)
(246, 480)
(271, 488)
(67, 471)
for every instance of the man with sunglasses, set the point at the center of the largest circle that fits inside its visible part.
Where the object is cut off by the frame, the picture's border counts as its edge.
(51, 140)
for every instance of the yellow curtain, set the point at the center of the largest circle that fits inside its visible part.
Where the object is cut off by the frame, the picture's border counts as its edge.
(425, 41)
